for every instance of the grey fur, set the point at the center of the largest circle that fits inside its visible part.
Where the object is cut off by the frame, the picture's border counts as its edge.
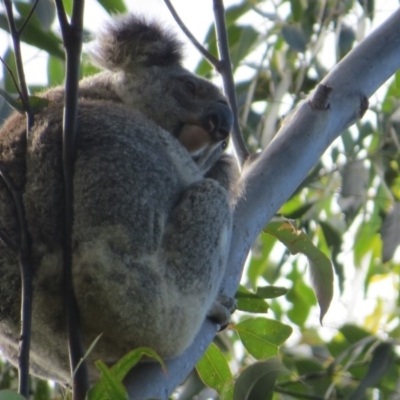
(152, 215)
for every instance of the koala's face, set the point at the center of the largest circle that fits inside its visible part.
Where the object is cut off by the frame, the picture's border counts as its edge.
(191, 108)
(148, 76)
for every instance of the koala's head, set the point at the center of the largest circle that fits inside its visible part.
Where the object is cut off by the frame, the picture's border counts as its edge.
(145, 60)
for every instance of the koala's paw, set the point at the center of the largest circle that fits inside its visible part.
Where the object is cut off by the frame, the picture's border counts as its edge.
(221, 310)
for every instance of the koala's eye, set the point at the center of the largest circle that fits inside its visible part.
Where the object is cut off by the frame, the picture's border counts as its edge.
(190, 87)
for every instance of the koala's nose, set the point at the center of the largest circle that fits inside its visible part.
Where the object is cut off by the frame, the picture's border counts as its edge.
(220, 120)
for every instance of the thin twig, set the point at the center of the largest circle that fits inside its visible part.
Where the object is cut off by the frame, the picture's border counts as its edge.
(24, 255)
(72, 38)
(227, 77)
(11, 73)
(15, 35)
(207, 55)
(29, 16)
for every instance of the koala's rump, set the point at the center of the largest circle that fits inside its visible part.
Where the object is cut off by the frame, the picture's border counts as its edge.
(123, 163)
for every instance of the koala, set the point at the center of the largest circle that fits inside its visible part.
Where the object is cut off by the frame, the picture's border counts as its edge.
(152, 206)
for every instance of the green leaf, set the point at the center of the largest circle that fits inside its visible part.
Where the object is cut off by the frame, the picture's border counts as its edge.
(321, 273)
(297, 8)
(113, 6)
(302, 298)
(9, 60)
(250, 302)
(258, 380)
(271, 292)
(55, 71)
(42, 390)
(10, 395)
(111, 385)
(120, 369)
(262, 336)
(353, 333)
(214, 371)
(126, 363)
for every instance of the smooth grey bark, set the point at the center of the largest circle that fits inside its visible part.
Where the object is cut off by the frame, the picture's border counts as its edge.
(276, 173)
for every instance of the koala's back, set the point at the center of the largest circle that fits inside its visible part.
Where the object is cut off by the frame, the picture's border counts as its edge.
(129, 175)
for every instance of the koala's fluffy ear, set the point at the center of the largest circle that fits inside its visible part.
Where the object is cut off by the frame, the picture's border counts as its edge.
(129, 42)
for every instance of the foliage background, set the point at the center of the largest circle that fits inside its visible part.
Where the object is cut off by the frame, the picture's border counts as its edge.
(348, 206)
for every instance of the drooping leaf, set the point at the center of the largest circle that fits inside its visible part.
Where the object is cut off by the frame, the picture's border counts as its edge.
(214, 371)
(321, 273)
(262, 337)
(382, 360)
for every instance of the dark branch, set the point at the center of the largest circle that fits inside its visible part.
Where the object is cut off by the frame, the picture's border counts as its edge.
(227, 77)
(14, 79)
(15, 35)
(24, 255)
(72, 37)
(207, 55)
(32, 10)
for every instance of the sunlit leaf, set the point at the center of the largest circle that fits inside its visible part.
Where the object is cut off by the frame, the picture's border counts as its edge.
(262, 337)
(214, 371)
(112, 387)
(118, 372)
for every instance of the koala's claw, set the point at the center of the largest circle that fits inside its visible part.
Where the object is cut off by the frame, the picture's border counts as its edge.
(221, 311)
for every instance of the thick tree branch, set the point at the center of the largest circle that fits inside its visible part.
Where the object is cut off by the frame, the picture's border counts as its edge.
(72, 38)
(279, 170)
